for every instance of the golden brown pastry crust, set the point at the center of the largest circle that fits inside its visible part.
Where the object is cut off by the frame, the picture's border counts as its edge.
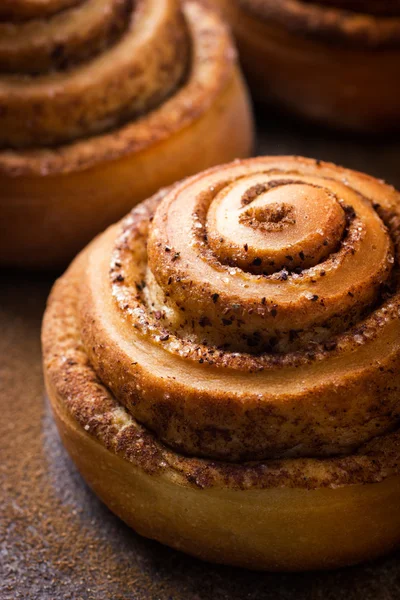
(63, 186)
(110, 356)
(137, 73)
(76, 387)
(220, 330)
(321, 60)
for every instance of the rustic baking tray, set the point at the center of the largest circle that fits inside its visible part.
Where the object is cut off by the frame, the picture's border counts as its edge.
(57, 541)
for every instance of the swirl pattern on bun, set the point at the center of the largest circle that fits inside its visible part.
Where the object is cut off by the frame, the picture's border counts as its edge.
(240, 332)
(92, 98)
(139, 70)
(272, 272)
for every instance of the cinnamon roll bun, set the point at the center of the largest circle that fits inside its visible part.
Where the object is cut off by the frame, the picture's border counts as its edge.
(333, 61)
(102, 102)
(223, 365)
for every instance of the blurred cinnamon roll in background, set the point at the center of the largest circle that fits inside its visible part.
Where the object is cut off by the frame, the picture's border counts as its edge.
(333, 61)
(102, 102)
(223, 365)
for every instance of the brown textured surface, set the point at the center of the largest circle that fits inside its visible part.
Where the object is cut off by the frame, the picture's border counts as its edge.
(57, 540)
(236, 410)
(116, 85)
(212, 63)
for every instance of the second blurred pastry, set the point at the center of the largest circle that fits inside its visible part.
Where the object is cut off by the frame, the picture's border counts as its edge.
(334, 61)
(101, 103)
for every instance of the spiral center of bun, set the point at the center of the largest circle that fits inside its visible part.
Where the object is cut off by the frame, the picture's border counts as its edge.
(263, 227)
(265, 261)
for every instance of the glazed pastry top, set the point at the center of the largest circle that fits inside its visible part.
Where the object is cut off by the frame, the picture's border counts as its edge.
(251, 311)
